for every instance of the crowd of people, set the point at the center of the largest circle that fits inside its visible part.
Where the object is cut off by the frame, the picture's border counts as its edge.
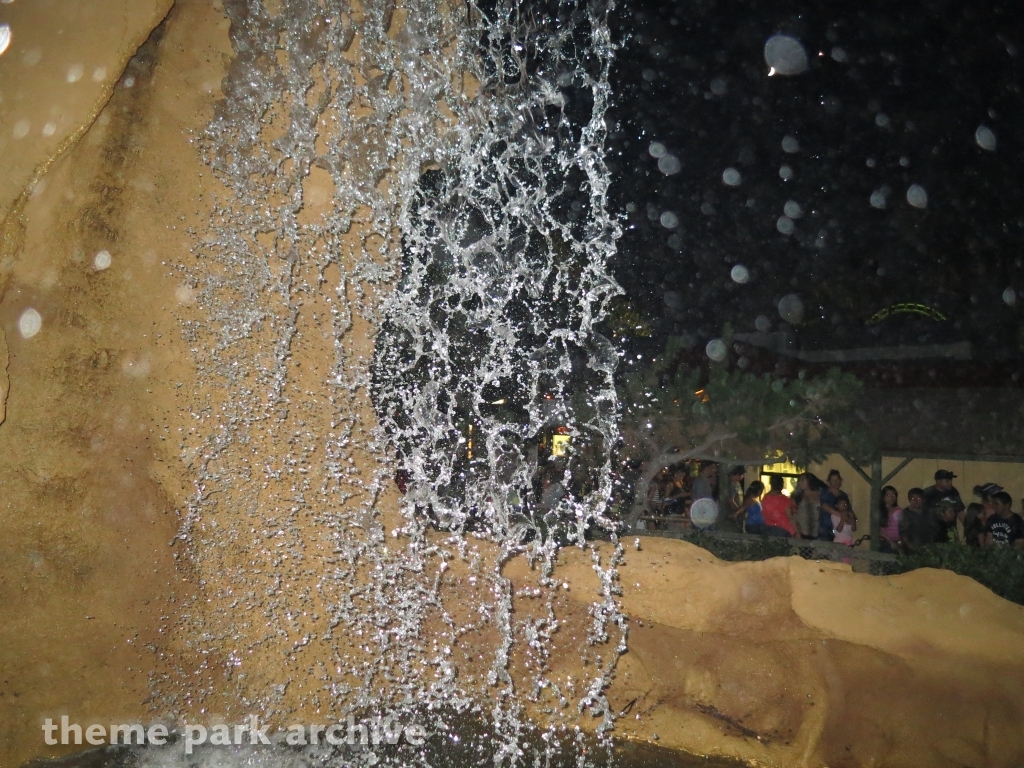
(821, 510)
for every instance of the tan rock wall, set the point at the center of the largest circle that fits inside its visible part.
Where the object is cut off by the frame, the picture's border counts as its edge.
(783, 663)
(62, 63)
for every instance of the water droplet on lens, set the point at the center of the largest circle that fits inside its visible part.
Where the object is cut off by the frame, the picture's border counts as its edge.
(792, 209)
(740, 274)
(878, 199)
(719, 86)
(21, 129)
(716, 350)
(98, 74)
(75, 73)
(763, 324)
(669, 220)
(882, 120)
(731, 177)
(5, 37)
(791, 309)
(917, 197)
(1010, 296)
(838, 54)
(986, 138)
(790, 144)
(657, 149)
(785, 55)
(101, 260)
(785, 173)
(49, 129)
(785, 225)
(29, 323)
(669, 164)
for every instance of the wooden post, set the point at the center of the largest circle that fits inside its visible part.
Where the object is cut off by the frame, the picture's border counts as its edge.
(876, 503)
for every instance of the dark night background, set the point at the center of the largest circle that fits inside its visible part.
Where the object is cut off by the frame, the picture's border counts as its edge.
(892, 97)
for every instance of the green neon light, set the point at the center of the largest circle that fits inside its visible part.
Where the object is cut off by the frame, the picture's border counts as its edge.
(906, 308)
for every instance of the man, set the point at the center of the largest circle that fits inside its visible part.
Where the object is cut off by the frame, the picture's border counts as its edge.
(918, 526)
(733, 502)
(705, 482)
(827, 503)
(939, 499)
(1004, 527)
(777, 510)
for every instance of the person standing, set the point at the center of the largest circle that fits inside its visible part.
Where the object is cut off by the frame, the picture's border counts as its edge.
(918, 526)
(939, 499)
(975, 523)
(827, 501)
(706, 481)
(675, 492)
(889, 520)
(749, 513)
(808, 505)
(1004, 528)
(777, 509)
(730, 519)
(845, 523)
(656, 494)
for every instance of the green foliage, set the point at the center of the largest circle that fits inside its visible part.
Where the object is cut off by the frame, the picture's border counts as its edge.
(732, 550)
(625, 320)
(804, 418)
(1001, 569)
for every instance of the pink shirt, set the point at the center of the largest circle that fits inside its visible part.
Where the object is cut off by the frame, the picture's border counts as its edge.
(892, 530)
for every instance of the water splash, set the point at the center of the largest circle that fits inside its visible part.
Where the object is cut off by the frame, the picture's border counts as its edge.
(464, 150)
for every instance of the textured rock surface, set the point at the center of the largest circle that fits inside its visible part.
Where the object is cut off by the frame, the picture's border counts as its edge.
(791, 662)
(90, 476)
(784, 662)
(56, 75)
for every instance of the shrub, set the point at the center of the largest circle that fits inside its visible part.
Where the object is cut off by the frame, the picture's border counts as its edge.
(1001, 569)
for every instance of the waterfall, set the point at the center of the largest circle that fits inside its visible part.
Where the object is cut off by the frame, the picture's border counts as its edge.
(467, 235)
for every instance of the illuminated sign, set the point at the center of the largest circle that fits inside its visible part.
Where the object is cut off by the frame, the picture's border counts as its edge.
(559, 445)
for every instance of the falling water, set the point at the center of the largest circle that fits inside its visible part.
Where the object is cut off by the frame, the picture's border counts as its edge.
(470, 229)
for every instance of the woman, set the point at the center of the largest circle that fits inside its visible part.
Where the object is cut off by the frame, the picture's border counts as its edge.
(656, 494)
(750, 508)
(889, 519)
(975, 522)
(808, 507)
(777, 509)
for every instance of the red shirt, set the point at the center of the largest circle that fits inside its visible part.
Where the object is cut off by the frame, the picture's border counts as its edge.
(773, 507)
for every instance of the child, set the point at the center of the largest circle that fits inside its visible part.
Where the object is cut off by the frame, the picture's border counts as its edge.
(752, 507)
(844, 523)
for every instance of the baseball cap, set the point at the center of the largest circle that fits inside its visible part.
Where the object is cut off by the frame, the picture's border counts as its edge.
(988, 489)
(944, 474)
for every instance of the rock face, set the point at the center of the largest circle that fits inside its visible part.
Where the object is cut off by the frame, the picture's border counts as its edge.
(784, 662)
(59, 70)
(792, 662)
(5, 359)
